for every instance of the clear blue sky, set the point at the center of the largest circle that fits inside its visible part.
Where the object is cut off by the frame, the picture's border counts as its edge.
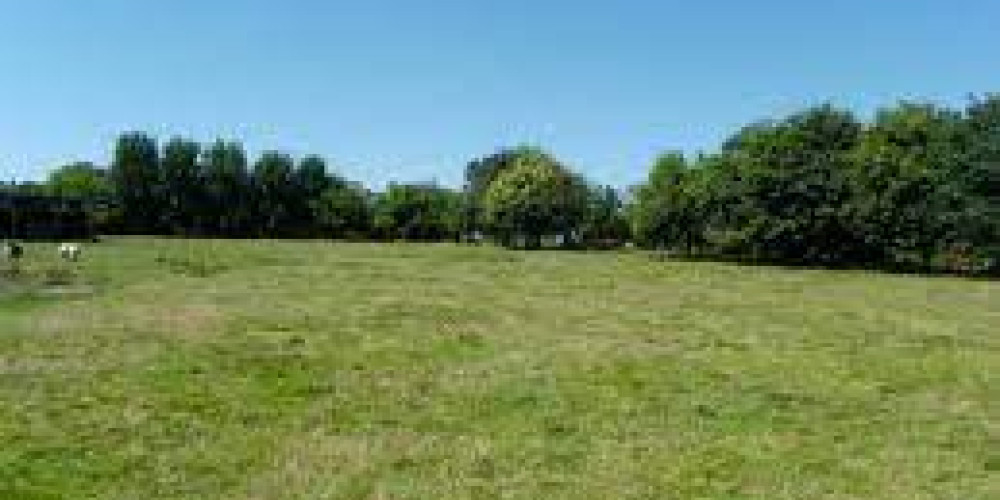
(406, 90)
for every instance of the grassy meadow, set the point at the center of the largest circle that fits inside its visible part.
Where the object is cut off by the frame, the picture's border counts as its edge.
(179, 369)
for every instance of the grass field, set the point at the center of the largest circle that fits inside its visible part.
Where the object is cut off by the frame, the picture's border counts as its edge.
(159, 369)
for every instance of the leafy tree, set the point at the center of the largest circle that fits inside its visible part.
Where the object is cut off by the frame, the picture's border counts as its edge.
(793, 190)
(819, 187)
(80, 180)
(533, 197)
(605, 222)
(312, 178)
(228, 189)
(135, 174)
(310, 182)
(904, 207)
(274, 194)
(981, 180)
(343, 210)
(418, 212)
(92, 185)
(182, 187)
(660, 212)
(480, 173)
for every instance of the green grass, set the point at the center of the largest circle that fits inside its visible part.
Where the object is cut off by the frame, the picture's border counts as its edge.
(172, 369)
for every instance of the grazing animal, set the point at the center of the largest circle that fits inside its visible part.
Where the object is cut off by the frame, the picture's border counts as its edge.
(70, 251)
(13, 250)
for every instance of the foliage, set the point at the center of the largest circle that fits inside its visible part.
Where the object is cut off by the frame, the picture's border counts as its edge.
(604, 222)
(228, 202)
(914, 188)
(343, 211)
(480, 174)
(274, 194)
(533, 197)
(135, 173)
(80, 180)
(183, 192)
(910, 190)
(418, 212)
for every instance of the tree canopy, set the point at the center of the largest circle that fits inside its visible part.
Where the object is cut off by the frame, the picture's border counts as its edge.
(915, 187)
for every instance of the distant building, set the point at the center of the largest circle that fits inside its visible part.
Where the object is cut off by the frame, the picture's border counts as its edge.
(32, 216)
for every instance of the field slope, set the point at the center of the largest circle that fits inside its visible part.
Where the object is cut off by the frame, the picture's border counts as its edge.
(172, 369)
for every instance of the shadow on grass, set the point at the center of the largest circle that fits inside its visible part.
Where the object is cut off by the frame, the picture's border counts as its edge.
(22, 290)
(878, 268)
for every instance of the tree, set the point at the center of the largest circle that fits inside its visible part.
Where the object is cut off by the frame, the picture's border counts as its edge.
(343, 210)
(274, 194)
(90, 185)
(981, 180)
(136, 177)
(310, 182)
(661, 210)
(533, 197)
(418, 212)
(183, 191)
(80, 180)
(793, 187)
(904, 205)
(228, 189)
(604, 221)
(480, 173)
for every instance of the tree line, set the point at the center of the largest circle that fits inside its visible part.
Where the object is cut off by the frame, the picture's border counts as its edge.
(916, 187)
(185, 189)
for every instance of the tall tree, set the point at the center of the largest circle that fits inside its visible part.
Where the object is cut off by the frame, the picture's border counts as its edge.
(480, 173)
(982, 178)
(794, 188)
(311, 181)
(662, 210)
(228, 187)
(343, 210)
(904, 206)
(274, 194)
(136, 176)
(535, 196)
(183, 189)
(418, 212)
(604, 221)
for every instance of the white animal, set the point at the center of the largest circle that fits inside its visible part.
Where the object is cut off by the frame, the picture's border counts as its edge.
(70, 251)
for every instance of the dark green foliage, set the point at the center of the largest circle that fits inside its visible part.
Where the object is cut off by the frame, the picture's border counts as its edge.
(604, 222)
(343, 211)
(981, 180)
(135, 170)
(793, 187)
(418, 212)
(227, 208)
(183, 192)
(917, 188)
(33, 215)
(910, 190)
(274, 194)
(212, 192)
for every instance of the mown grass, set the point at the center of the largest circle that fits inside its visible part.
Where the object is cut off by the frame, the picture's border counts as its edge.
(300, 370)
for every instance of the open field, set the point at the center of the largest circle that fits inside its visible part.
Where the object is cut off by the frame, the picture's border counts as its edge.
(159, 369)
